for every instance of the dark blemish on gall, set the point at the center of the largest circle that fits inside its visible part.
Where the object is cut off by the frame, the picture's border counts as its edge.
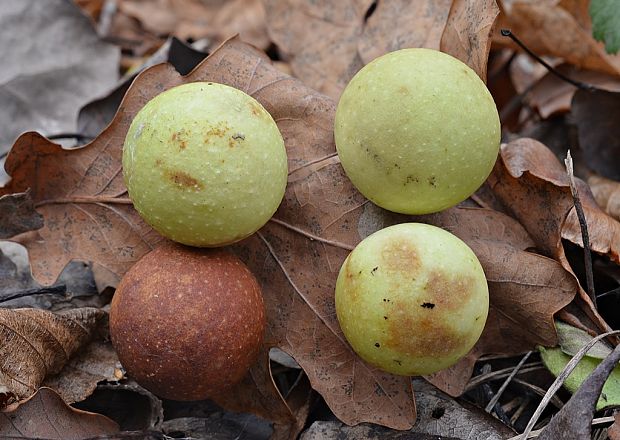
(428, 305)
(410, 178)
(377, 345)
(432, 180)
(385, 317)
(238, 136)
(477, 318)
(372, 272)
(397, 361)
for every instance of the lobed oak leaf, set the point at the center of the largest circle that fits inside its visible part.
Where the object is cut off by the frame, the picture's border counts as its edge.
(38, 343)
(19, 215)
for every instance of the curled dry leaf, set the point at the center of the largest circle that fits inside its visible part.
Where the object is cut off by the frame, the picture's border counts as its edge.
(328, 42)
(467, 33)
(46, 416)
(297, 255)
(532, 184)
(79, 377)
(551, 95)
(38, 343)
(558, 28)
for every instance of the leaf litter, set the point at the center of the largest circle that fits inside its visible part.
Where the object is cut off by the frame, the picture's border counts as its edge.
(87, 211)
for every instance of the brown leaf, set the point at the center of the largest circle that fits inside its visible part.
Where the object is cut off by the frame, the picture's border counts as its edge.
(18, 215)
(46, 415)
(216, 20)
(606, 192)
(533, 185)
(79, 377)
(552, 95)
(38, 343)
(558, 28)
(328, 42)
(467, 35)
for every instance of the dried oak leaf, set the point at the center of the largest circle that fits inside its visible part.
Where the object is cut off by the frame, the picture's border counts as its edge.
(532, 184)
(38, 343)
(46, 416)
(328, 42)
(558, 28)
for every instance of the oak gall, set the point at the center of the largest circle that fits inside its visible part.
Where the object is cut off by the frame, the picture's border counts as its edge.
(187, 323)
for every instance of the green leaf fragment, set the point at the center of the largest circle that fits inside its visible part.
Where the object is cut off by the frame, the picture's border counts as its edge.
(571, 340)
(555, 361)
(605, 16)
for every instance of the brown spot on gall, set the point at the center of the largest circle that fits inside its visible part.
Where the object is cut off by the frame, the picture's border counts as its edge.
(448, 292)
(403, 90)
(400, 256)
(422, 337)
(183, 180)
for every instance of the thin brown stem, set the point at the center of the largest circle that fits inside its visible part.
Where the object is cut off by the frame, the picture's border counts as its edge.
(85, 199)
(312, 236)
(583, 224)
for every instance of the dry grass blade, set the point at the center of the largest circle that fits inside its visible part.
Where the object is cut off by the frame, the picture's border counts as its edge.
(501, 374)
(555, 386)
(501, 390)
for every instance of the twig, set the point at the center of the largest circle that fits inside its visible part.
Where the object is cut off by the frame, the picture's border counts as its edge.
(501, 374)
(559, 381)
(311, 236)
(587, 256)
(488, 392)
(578, 84)
(615, 291)
(501, 390)
(515, 417)
(58, 289)
(595, 422)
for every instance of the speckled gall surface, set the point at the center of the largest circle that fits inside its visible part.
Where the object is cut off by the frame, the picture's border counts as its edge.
(417, 131)
(205, 164)
(186, 323)
(412, 299)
